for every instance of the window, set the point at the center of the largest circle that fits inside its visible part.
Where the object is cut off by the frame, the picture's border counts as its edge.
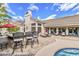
(33, 24)
(63, 29)
(39, 24)
(70, 30)
(39, 29)
(33, 29)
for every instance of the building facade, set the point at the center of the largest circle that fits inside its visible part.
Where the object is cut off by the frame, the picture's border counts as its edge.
(63, 26)
(32, 24)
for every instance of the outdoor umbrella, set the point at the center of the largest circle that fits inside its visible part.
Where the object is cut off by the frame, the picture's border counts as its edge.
(8, 26)
(1, 26)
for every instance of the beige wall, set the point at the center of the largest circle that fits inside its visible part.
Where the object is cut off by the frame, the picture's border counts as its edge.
(28, 23)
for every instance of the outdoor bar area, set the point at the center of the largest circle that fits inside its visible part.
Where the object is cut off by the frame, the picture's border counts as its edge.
(14, 37)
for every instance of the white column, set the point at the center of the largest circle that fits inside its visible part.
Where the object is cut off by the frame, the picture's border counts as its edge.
(78, 31)
(28, 18)
(67, 31)
(49, 31)
(36, 27)
(42, 29)
(57, 31)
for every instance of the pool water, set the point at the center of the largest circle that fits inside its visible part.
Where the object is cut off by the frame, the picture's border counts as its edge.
(67, 52)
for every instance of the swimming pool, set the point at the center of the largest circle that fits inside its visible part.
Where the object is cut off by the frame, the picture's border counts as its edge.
(67, 52)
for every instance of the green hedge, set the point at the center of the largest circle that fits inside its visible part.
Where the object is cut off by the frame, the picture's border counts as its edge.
(13, 29)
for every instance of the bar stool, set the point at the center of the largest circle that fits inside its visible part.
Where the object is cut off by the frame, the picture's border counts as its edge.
(3, 42)
(17, 44)
(29, 37)
(18, 41)
(35, 37)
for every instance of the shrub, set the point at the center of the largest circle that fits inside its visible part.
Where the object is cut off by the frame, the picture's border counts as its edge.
(13, 29)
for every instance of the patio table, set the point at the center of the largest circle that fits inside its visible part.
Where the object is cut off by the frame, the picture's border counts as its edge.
(10, 35)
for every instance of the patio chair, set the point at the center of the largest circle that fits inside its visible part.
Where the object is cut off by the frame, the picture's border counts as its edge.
(29, 37)
(3, 43)
(35, 36)
(18, 39)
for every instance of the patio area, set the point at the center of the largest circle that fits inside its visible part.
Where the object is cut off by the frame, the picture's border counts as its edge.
(28, 50)
(43, 42)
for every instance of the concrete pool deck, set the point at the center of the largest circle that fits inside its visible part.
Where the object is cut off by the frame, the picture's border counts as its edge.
(28, 51)
(47, 46)
(50, 49)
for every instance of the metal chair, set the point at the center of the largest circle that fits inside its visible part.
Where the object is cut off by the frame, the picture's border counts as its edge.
(18, 39)
(29, 37)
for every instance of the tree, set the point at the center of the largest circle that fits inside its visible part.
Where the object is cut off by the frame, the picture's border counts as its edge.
(3, 13)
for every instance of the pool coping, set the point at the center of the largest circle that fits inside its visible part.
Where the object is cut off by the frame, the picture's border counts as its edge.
(57, 52)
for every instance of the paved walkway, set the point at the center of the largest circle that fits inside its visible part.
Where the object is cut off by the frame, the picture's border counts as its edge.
(61, 42)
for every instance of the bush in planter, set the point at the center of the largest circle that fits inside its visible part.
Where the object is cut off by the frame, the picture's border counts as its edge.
(13, 29)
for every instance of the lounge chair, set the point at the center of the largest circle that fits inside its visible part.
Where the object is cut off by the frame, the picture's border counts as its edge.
(45, 35)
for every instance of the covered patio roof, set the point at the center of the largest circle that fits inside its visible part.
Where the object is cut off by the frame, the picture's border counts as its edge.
(69, 21)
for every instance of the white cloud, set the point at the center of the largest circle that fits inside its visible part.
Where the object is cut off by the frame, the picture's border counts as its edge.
(17, 17)
(50, 17)
(66, 6)
(38, 17)
(77, 13)
(76, 8)
(14, 17)
(46, 7)
(57, 10)
(9, 9)
(56, 4)
(21, 18)
(33, 7)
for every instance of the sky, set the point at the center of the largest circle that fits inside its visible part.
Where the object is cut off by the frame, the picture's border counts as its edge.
(42, 11)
